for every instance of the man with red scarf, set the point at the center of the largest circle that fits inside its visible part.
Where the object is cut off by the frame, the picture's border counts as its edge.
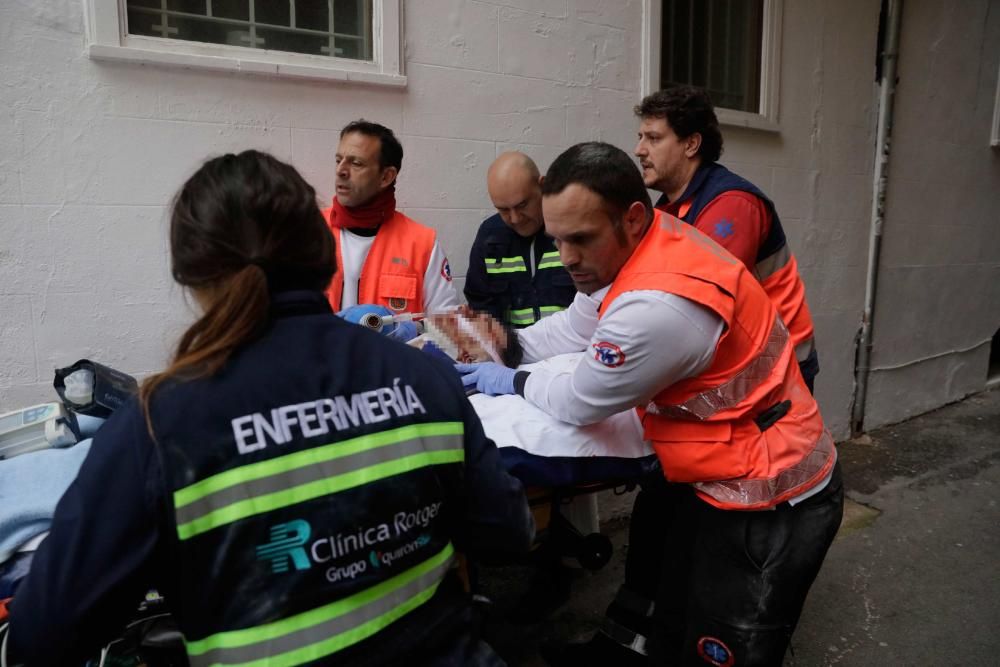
(383, 257)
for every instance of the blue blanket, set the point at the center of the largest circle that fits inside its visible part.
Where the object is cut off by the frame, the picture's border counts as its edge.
(30, 486)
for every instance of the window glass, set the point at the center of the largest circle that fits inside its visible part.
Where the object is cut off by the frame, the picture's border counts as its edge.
(714, 44)
(295, 26)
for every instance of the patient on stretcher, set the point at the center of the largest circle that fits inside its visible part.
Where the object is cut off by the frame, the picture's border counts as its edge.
(536, 447)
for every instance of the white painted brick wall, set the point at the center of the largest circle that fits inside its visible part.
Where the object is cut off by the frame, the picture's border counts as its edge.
(92, 152)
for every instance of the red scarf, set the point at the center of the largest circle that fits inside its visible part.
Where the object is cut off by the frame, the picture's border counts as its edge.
(367, 216)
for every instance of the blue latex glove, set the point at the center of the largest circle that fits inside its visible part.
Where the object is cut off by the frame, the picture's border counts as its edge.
(401, 331)
(355, 314)
(488, 377)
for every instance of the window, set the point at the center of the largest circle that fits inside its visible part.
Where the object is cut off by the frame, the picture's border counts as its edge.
(729, 47)
(354, 40)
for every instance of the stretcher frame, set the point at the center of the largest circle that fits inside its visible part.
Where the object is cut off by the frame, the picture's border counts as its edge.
(558, 536)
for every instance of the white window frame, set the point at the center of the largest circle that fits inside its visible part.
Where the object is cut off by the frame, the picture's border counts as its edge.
(770, 65)
(107, 40)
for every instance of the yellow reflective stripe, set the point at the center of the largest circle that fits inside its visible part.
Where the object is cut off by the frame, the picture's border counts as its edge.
(315, 489)
(521, 316)
(308, 457)
(550, 260)
(505, 265)
(319, 632)
(527, 315)
(301, 476)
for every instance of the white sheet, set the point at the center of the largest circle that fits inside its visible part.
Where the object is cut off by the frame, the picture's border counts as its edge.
(510, 421)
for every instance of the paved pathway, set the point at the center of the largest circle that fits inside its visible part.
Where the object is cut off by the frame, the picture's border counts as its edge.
(912, 579)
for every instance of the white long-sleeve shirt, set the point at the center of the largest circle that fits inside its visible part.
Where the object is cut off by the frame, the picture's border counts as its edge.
(646, 341)
(439, 291)
(650, 341)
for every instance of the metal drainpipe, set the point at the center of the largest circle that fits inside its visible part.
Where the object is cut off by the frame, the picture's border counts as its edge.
(879, 183)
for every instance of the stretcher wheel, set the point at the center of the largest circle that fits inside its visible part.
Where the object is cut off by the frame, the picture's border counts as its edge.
(594, 551)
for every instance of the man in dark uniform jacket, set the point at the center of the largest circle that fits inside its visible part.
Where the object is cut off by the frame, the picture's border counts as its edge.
(516, 276)
(514, 270)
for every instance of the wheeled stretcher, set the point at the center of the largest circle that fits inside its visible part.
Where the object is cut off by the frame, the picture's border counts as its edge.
(557, 461)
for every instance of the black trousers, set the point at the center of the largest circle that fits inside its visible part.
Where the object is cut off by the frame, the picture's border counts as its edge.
(809, 367)
(728, 585)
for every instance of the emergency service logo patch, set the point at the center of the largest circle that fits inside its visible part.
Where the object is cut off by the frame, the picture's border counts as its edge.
(446, 270)
(609, 354)
(723, 229)
(397, 303)
(714, 652)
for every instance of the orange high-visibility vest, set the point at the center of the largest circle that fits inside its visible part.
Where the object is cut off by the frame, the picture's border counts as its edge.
(775, 267)
(393, 273)
(703, 428)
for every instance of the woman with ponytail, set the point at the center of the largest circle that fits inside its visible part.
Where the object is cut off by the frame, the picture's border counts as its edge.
(294, 485)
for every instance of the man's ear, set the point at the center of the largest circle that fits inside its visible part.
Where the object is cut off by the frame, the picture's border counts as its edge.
(388, 176)
(692, 145)
(635, 219)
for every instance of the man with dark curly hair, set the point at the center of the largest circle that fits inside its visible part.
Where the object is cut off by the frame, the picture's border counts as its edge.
(678, 149)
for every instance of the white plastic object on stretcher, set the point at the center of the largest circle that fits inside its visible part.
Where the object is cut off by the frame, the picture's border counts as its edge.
(30, 429)
(79, 387)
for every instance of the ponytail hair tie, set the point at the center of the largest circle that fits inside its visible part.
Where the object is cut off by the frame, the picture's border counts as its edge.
(261, 262)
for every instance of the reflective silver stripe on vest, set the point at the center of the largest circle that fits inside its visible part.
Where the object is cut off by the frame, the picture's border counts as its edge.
(731, 393)
(320, 632)
(804, 349)
(773, 263)
(751, 492)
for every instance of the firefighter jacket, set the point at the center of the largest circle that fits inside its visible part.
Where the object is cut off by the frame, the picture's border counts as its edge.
(517, 280)
(301, 506)
(775, 267)
(746, 432)
(393, 273)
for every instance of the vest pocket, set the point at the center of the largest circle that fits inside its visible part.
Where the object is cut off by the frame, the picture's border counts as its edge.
(393, 285)
(696, 451)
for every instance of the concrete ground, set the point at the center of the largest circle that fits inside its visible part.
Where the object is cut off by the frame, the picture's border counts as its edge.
(913, 577)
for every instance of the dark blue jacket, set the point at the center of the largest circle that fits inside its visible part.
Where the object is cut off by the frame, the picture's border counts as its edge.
(303, 492)
(712, 180)
(505, 282)
(773, 255)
